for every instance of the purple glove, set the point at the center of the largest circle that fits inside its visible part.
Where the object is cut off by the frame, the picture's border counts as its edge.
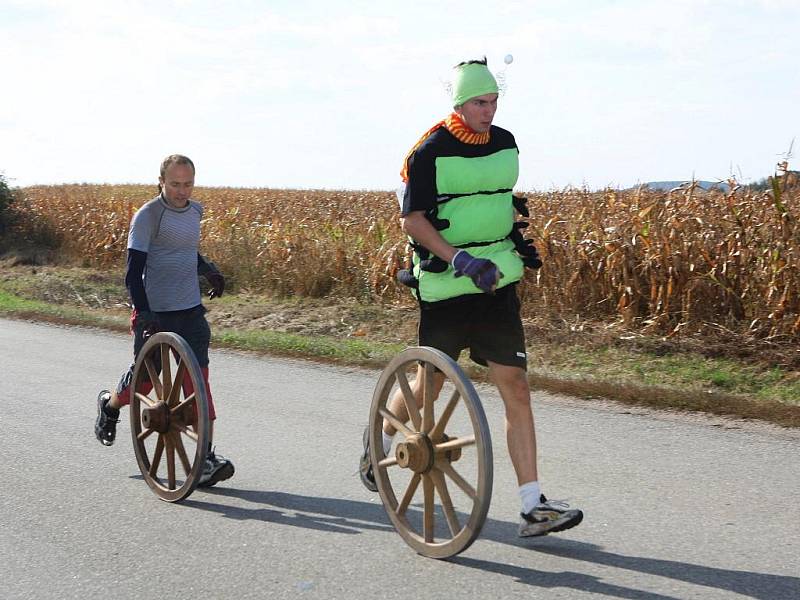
(484, 273)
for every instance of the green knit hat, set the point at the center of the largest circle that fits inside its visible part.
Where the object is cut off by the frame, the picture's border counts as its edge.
(471, 80)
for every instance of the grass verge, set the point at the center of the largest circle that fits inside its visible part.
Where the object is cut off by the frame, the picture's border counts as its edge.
(348, 351)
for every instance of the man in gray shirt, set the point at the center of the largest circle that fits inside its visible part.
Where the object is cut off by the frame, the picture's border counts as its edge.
(162, 278)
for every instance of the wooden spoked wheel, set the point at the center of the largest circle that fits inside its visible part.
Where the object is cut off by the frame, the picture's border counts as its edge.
(436, 483)
(169, 416)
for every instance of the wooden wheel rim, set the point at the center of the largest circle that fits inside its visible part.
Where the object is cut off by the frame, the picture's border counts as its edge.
(169, 446)
(471, 528)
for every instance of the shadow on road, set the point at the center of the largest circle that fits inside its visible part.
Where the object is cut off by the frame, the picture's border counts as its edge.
(337, 515)
(341, 516)
(762, 586)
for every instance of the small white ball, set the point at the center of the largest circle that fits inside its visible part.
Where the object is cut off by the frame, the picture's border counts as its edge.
(508, 59)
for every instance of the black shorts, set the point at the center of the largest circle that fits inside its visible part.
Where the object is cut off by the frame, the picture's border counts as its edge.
(490, 326)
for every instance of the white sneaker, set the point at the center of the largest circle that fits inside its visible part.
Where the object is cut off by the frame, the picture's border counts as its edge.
(547, 516)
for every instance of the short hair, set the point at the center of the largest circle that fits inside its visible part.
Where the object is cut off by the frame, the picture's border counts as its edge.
(175, 159)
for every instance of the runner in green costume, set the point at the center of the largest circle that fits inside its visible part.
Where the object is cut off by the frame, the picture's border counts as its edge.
(458, 210)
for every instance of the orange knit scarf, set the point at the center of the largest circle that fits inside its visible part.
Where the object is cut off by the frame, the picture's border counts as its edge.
(455, 125)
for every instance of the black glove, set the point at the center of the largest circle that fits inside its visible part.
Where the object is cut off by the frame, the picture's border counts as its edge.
(217, 282)
(146, 322)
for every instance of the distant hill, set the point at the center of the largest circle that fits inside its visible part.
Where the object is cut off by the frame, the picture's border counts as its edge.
(669, 185)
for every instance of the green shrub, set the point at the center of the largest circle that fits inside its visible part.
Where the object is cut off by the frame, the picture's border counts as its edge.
(6, 199)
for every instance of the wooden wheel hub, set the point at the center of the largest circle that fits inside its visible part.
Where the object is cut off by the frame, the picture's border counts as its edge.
(156, 417)
(416, 453)
(183, 417)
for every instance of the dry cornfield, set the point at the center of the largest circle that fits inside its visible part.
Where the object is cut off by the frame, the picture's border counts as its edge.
(659, 262)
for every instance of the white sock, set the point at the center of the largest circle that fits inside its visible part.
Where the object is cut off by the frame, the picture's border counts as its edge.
(530, 494)
(387, 442)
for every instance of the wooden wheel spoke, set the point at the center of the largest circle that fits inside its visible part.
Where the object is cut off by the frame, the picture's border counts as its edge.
(409, 494)
(147, 400)
(454, 443)
(460, 481)
(177, 384)
(166, 369)
(409, 399)
(438, 429)
(183, 404)
(152, 373)
(427, 397)
(389, 461)
(428, 514)
(181, 450)
(396, 423)
(447, 504)
(157, 456)
(188, 432)
(170, 461)
(144, 434)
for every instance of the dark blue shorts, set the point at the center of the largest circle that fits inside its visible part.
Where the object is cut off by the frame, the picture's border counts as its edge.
(490, 326)
(190, 324)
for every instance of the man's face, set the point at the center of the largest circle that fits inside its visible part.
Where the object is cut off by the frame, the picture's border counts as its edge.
(478, 112)
(178, 183)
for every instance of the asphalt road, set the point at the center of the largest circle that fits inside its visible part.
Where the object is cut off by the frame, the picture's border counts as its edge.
(676, 506)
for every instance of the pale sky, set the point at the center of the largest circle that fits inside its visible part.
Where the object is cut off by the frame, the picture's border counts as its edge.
(323, 94)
